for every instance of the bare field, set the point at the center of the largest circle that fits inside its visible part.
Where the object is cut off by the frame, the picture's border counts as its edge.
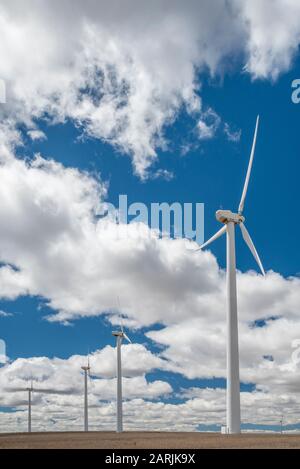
(145, 440)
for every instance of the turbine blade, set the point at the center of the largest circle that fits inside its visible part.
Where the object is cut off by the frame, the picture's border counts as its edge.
(54, 391)
(251, 246)
(242, 202)
(120, 317)
(127, 338)
(16, 389)
(213, 238)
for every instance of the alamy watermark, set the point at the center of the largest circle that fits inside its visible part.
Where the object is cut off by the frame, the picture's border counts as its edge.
(2, 91)
(296, 353)
(296, 91)
(3, 357)
(175, 220)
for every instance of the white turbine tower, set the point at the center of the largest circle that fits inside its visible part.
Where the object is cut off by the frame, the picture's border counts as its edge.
(30, 390)
(86, 370)
(120, 335)
(230, 220)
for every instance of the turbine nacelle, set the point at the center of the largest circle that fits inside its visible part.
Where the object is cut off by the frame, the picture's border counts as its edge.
(85, 368)
(121, 334)
(226, 216)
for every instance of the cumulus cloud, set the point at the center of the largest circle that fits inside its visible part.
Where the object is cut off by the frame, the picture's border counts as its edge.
(273, 35)
(232, 135)
(54, 245)
(58, 387)
(268, 330)
(200, 408)
(121, 86)
(208, 124)
(64, 376)
(122, 70)
(36, 135)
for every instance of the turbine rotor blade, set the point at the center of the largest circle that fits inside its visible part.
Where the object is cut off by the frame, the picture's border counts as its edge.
(242, 202)
(251, 246)
(41, 390)
(16, 389)
(127, 338)
(213, 238)
(48, 391)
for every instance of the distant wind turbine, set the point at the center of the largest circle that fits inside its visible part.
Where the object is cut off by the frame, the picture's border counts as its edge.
(281, 425)
(120, 335)
(230, 220)
(86, 370)
(30, 390)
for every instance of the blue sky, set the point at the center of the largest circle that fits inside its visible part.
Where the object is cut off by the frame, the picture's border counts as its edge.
(210, 171)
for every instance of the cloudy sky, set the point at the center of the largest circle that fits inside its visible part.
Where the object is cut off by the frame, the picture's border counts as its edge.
(156, 100)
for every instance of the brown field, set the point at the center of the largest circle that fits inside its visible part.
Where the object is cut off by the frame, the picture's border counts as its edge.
(146, 440)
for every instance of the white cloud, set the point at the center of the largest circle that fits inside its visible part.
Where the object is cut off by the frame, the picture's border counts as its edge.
(53, 244)
(122, 70)
(201, 407)
(4, 314)
(163, 174)
(35, 135)
(64, 376)
(58, 386)
(273, 35)
(57, 248)
(232, 135)
(208, 124)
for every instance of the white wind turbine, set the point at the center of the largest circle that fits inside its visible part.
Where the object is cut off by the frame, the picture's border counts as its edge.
(86, 370)
(120, 335)
(230, 220)
(30, 390)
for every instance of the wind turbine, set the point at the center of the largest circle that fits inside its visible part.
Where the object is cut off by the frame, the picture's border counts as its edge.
(86, 370)
(120, 335)
(30, 390)
(230, 220)
(281, 425)
(29, 405)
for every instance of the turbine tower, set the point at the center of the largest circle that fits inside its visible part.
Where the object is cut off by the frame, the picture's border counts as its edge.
(120, 335)
(30, 390)
(86, 370)
(230, 220)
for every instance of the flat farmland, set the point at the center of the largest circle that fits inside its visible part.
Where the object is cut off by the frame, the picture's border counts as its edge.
(146, 440)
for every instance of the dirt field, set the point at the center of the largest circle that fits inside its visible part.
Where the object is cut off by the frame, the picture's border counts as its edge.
(132, 440)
